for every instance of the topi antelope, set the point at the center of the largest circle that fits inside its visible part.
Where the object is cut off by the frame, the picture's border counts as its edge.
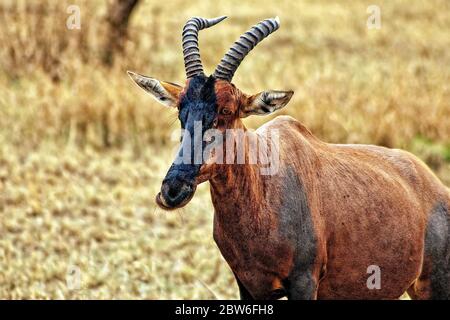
(329, 215)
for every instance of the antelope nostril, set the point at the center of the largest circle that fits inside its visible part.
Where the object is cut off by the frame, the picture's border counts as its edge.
(173, 192)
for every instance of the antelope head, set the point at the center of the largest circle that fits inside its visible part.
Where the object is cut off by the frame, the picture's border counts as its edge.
(205, 103)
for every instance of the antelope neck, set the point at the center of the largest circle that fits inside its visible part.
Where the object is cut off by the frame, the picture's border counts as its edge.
(238, 181)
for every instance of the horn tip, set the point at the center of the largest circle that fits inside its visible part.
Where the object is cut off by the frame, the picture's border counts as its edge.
(277, 19)
(220, 19)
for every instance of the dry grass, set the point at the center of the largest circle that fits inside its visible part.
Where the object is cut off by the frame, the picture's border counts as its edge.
(94, 211)
(82, 151)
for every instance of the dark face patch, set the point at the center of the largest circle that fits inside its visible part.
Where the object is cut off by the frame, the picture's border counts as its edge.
(197, 112)
(437, 247)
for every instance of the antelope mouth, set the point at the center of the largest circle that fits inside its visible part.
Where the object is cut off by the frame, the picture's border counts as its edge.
(170, 205)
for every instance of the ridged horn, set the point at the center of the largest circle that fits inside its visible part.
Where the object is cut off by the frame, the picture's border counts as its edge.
(191, 52)
(233, 58)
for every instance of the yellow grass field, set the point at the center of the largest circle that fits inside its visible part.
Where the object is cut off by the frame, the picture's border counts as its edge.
(83, 151)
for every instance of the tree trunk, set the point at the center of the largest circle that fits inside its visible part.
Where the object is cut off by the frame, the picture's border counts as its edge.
(118, 15)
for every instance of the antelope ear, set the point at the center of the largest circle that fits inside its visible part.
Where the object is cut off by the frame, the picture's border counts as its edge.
(265, 102)
(165, 93)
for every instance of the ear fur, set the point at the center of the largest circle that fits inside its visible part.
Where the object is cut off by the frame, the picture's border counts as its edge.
(266, 102)
(166, 93)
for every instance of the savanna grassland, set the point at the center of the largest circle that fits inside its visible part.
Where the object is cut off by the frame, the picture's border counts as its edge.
(83, 151)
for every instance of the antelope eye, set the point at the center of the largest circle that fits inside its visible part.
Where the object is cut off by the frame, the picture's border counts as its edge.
(226, 111)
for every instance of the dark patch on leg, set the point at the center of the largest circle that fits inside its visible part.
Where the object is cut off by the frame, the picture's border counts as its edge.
(437, 248)
(301, 286)
(296, 225)
(243, 292)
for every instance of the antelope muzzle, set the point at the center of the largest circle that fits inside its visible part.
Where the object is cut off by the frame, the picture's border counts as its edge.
(178, 187)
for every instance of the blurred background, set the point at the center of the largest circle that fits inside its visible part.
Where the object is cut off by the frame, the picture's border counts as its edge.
(83, 151)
